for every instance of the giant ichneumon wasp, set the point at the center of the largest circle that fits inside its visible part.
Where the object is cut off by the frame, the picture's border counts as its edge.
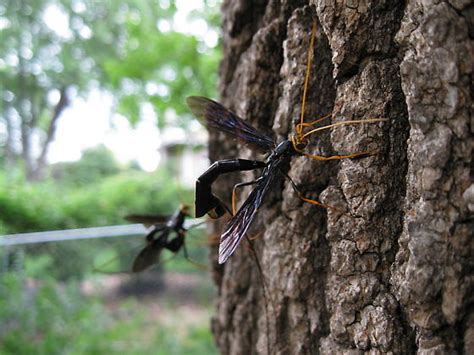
(158, 238)
(216, 116)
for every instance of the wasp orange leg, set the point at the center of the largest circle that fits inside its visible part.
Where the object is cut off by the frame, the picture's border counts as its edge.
(305, 199)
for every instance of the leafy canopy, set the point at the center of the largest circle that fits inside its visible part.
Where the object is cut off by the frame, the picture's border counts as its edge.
(135, 49)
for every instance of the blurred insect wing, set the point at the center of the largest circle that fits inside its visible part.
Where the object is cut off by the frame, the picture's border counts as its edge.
(147, 257)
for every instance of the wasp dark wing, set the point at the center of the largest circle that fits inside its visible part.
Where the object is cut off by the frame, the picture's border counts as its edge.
(147, 257)
(239, 224)
(213, 114)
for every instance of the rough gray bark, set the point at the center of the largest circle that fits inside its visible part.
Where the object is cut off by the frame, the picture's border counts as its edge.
(391, 269)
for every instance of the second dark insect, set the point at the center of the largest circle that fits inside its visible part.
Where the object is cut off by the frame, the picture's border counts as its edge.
(159, 237)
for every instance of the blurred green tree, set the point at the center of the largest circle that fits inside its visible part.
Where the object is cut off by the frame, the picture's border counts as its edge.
(96, 163)
(51, 49)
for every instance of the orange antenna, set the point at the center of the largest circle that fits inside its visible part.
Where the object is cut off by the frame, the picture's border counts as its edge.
(299, 139)
(309, 61)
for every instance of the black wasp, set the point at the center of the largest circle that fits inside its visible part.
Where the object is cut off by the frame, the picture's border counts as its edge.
(217, 116)
(158, 238)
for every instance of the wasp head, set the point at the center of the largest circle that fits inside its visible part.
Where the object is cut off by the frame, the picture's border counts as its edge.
(299, 142)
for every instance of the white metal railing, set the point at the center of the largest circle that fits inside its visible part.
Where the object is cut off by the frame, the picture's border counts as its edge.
(125, 230)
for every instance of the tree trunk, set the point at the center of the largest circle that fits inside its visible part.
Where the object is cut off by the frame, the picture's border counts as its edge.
(62, 104)
(10, 154)
(391, 269)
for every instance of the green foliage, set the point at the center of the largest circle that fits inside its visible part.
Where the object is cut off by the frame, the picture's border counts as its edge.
(48, 46)
(197, 341)
(162, 68)
(34, 317)
(119, 195)
(96, 163)
(25, 207)
(42, 318)
(28, 207)
(51, 54)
